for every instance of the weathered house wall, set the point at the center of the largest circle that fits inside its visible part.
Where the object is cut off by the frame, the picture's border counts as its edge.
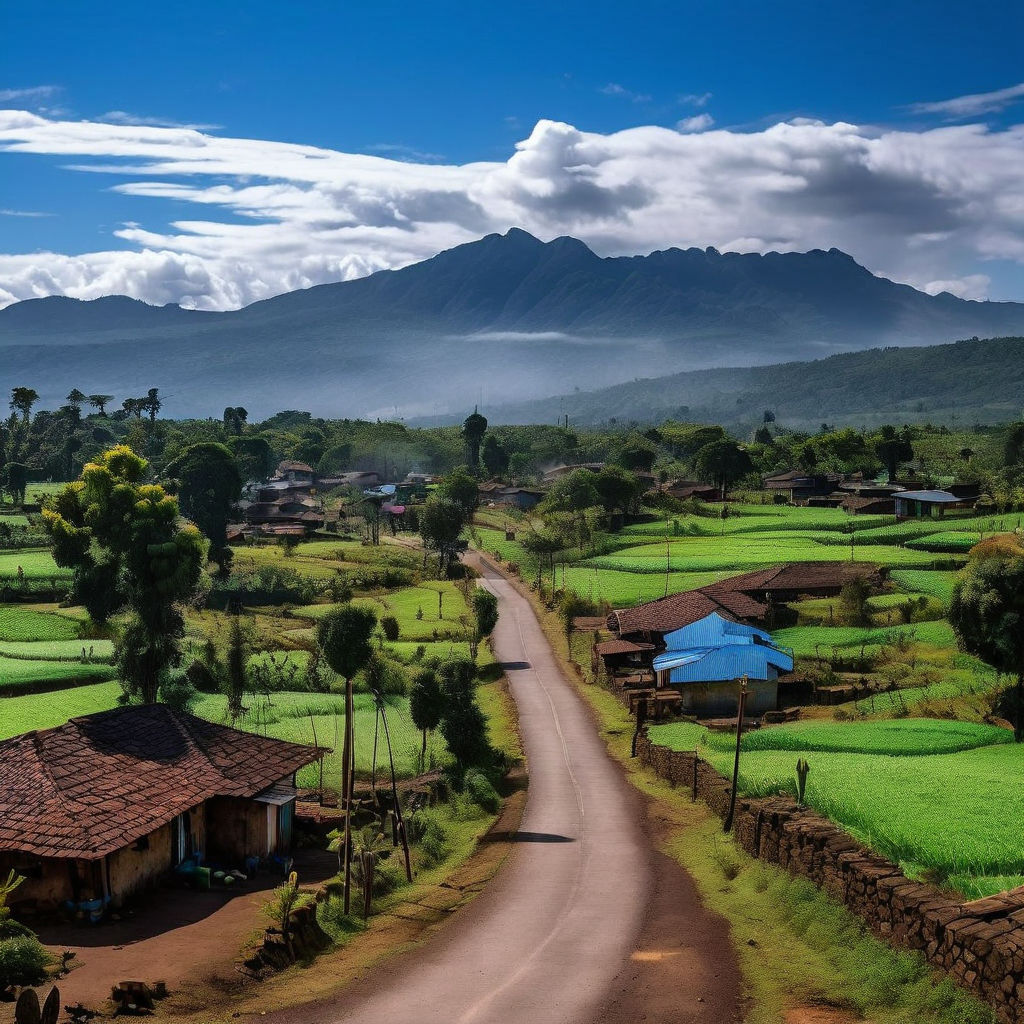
(238, 828)
(980, 944)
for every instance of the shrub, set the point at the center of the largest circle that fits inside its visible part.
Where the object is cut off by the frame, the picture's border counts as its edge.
(435, 843)
(480, 790)
(389, 625)
(23, 961)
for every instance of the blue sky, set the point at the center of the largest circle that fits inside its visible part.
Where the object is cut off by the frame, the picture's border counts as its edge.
(457, 87)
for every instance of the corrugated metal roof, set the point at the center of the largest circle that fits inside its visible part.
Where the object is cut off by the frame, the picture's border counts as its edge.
(721, 664)
(712, 631)
(937, 497)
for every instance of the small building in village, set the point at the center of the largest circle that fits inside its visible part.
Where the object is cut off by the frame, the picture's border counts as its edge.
(496, 493)
(796, 486)
(928, 504)
(108, 804)
(709, 660)
(684, 490)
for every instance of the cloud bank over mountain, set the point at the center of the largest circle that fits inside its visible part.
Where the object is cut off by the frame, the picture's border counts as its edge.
(926, 206)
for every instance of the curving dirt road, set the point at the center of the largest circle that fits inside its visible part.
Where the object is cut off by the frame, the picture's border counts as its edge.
(584, 922)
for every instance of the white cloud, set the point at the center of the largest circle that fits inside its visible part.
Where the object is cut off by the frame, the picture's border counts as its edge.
(924, 206)
(31, 94)
(123, 117)
(695, 99)
(24, 213)
(972, 105)
(697, 123)
(973, 286)
(614, 89)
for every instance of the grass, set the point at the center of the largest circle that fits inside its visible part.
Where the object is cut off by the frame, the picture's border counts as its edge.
(36, 564)
(58, 650)
(806, 640)
(23, 714)
(930, 795)
(934, 583)
(20, 672)
(19, 622)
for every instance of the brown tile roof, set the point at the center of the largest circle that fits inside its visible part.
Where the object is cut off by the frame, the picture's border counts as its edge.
(101, 782)
(621, 647)
(672, 612)
(736, 598)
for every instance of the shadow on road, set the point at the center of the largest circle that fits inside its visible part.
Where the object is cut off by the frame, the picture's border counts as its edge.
(515, 666)
(527, 837)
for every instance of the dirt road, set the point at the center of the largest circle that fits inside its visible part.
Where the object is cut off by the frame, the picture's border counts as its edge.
(584, 922)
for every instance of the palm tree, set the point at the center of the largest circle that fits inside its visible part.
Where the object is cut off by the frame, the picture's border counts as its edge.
(99, 403)
(22, 400)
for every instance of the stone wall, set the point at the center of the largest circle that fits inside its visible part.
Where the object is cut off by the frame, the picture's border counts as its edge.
(979, 944)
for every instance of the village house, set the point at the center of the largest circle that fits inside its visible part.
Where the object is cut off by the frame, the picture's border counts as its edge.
(95, 810)
(757, 598)
(796, 486)
(683, 490)
(296, 473)
(709, 660)
(497, 493)
(929, 504)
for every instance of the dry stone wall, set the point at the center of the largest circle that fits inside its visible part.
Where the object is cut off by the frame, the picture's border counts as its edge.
(979, 944)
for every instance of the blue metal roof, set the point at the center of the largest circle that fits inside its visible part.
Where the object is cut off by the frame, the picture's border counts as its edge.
(937, 497)
(720, 664)
(714, 630)
(715, 649)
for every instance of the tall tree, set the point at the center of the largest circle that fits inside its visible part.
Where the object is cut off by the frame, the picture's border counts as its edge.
(100, 403)
(113, 522)
(987, 615)
(253, 455)
(425, 706)
(344, 637)
(722, 463)
(441, 523)
(495, 458)
(75, 401)
(208, 486)
(893, 447)
(461, 487)
(151, 404)
(473, 429)
(463, 724)
(22, 400)
(484, 606)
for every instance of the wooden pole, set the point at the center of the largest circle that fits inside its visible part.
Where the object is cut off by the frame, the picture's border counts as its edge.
(394, 793)
(346, 794)
(736, 761)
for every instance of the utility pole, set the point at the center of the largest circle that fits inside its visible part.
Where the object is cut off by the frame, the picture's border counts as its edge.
(736, 762)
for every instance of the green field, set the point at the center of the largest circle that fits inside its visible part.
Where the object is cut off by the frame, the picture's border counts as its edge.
(35, 563)
(20, 622)
(934, 796)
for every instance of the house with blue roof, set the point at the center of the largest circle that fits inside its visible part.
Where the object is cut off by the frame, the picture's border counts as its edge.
(707, 660)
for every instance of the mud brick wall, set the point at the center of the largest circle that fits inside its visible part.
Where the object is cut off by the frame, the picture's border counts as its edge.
(979, 944)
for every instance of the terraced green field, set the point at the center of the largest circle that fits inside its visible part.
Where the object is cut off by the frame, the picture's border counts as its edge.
(36, 564)
(805, 640)
(58, 650)
(930, 795)
(20, 622)
(20, 672)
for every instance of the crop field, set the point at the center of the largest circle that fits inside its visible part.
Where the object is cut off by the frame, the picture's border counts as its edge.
(35, 563)
(954, 542)
(20, 672)
(58, 650)
(807, 639)
(20, 622)
(930, 795)
(932, 582)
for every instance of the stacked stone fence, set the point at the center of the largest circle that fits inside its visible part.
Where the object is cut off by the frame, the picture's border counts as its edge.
(980, 944)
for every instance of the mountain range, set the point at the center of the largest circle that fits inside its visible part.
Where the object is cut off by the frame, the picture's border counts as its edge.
(500, 320)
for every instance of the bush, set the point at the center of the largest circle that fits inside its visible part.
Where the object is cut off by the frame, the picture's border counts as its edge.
(478, 787)
(389, 624)
(23, 961)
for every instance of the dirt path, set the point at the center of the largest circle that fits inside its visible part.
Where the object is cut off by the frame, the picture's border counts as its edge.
(585, 922)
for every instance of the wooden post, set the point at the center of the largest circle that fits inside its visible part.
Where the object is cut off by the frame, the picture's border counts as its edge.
(694, 776)
(396, 800)
(736, 761)
(346, 793)
(641, 719)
